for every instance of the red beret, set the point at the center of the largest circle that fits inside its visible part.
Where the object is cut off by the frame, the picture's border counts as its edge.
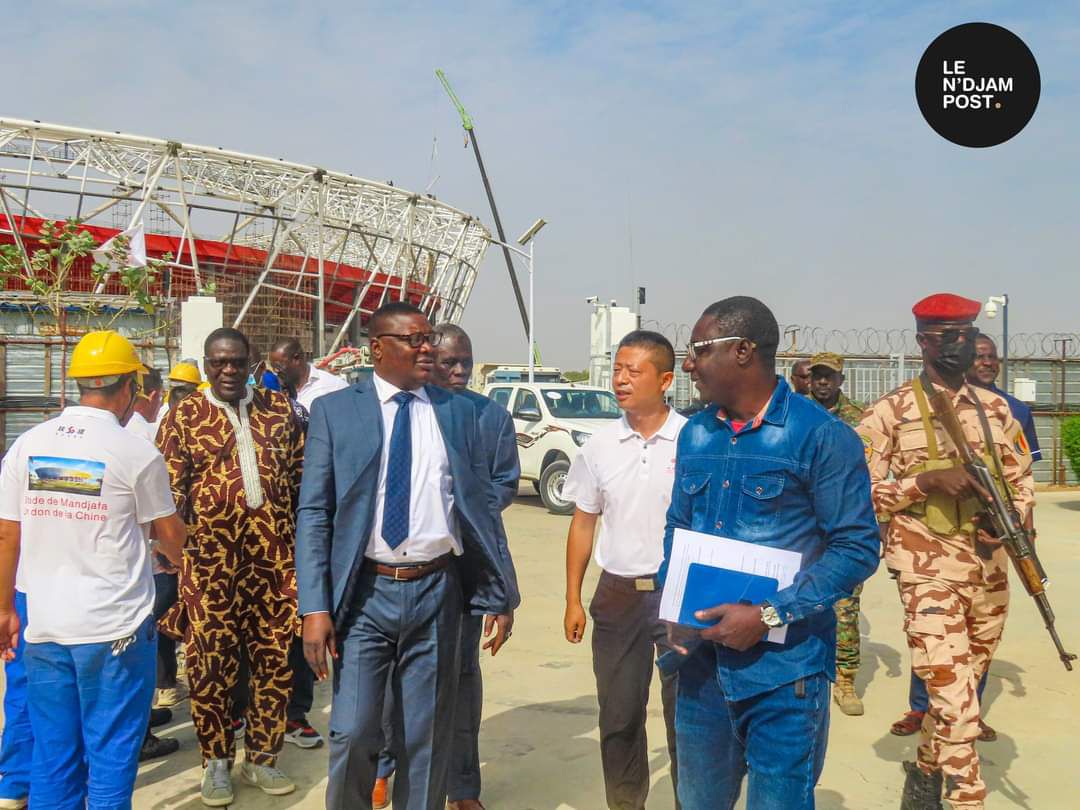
(946, 307)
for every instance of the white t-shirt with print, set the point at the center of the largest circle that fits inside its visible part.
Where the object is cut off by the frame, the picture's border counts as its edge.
(83, 489)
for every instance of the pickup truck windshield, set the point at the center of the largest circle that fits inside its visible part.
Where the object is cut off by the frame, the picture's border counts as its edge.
(571, 403)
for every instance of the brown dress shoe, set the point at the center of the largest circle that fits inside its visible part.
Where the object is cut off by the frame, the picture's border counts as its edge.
(380, 796)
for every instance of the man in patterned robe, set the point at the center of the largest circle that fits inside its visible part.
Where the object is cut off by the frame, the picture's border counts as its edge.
(235, 455)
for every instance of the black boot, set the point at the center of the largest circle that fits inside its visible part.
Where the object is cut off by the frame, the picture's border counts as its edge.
(154, 747)
(921, 791)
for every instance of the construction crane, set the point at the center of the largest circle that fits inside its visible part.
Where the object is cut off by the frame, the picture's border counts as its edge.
(467, 123)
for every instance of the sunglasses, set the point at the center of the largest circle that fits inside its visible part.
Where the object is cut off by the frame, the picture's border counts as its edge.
(693, 349)
(947, 337)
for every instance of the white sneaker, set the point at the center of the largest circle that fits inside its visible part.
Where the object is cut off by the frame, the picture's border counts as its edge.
(267, 778)
(217, 789)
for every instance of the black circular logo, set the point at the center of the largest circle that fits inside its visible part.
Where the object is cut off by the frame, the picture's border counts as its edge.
(977, 84)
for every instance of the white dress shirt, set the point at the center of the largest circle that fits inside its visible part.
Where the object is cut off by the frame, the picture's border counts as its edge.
(432, 527)
(319, 382)
(627, 480)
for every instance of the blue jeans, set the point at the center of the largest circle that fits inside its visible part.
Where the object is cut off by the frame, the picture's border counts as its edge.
(919, 700)
(89, 709)
(18, 742)
(778, 737)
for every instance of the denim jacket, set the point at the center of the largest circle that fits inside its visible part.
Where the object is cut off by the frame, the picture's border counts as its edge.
(796, 479)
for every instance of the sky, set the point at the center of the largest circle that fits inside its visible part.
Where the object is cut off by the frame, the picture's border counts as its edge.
(701, 150)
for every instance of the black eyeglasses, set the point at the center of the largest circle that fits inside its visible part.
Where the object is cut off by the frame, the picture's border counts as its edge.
(221, 363)
(416, 339)
(947, 337)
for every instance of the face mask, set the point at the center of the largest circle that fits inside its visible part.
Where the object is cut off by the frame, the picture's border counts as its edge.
(955, 358)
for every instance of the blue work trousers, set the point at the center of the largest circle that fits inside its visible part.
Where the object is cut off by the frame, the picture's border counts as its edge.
(18, 741)
(777, 738)
(89, 710)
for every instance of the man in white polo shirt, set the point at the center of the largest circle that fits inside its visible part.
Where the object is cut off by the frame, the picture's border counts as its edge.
(307, 382)
(75, 494)
(625, 473)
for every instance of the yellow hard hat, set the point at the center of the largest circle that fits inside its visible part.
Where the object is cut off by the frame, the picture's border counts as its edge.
(203, 386)
(185, 373)
(101, 358)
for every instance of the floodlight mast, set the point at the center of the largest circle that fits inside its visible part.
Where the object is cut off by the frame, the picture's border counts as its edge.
(467, 123)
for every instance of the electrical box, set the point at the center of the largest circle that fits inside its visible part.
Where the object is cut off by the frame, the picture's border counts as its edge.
(1024, 389)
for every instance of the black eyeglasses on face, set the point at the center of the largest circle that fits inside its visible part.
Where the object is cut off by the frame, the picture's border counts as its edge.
(947, 337)
(416, 339)
(221, 363)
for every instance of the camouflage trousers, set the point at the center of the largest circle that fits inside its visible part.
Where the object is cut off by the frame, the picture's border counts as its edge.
(847, 633)
(953, 629)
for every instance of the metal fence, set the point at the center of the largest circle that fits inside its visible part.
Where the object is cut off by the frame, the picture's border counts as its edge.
(868, 378)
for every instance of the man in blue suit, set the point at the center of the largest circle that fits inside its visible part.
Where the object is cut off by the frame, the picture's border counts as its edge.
(396, 539)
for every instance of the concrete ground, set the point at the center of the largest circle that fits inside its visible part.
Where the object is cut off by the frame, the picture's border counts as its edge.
(539, 736)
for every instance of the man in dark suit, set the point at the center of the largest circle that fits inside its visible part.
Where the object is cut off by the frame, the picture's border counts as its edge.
(395, 541)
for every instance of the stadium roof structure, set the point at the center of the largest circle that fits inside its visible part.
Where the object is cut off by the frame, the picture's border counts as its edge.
(288, 246)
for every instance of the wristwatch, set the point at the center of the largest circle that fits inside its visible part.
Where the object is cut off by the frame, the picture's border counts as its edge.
(769, 616)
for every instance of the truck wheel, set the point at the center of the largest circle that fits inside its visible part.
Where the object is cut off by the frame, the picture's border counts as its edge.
(551, 485)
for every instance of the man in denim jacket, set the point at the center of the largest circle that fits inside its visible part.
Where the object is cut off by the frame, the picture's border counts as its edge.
(763, 465)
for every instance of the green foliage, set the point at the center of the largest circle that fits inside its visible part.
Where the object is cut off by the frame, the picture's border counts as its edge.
(576, 376)
(46, 272)
(1070, 440)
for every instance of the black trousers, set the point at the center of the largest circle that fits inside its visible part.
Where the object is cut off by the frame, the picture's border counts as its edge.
(626, 638)
(165, 596)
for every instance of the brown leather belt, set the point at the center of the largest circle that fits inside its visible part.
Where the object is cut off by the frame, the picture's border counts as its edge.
(407, 573)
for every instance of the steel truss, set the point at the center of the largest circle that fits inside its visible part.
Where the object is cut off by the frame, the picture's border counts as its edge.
(322, 232)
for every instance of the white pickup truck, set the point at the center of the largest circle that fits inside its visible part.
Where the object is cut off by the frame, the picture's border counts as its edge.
(552, 421)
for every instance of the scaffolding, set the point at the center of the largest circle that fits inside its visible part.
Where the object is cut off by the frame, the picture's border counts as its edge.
(289, 249)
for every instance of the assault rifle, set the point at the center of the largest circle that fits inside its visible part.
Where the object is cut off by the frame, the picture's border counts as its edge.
(1000, 519)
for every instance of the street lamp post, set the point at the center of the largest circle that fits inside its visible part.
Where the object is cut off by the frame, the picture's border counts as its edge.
(526, 239)
(991, 309)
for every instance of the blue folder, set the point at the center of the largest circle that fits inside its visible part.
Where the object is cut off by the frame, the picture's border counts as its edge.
(707, 586)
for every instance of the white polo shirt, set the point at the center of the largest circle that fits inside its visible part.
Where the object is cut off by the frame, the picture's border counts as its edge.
(432, 528)
(82, 488)
(627, 480)
(319, 382)
(138, 425)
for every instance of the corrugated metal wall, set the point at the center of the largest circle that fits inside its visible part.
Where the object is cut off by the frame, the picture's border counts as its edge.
(30, 368)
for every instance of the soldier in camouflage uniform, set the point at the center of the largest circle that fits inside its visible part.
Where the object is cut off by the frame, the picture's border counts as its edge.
(952, 577)
(826, 380)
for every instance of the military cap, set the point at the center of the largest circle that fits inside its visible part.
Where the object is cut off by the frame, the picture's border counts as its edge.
(945, 307)
(829, 360)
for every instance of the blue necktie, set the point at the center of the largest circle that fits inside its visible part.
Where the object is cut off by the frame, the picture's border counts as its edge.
(395, 527)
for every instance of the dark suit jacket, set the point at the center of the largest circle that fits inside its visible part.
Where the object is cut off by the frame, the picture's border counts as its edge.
(338, 491)
(499, 440)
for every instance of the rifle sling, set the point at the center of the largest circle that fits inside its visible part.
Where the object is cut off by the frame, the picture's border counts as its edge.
(984, 423)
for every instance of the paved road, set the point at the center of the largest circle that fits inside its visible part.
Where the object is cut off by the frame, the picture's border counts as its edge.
(539, 737)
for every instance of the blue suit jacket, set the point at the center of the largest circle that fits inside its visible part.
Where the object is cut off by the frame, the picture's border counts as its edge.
(338, 491)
